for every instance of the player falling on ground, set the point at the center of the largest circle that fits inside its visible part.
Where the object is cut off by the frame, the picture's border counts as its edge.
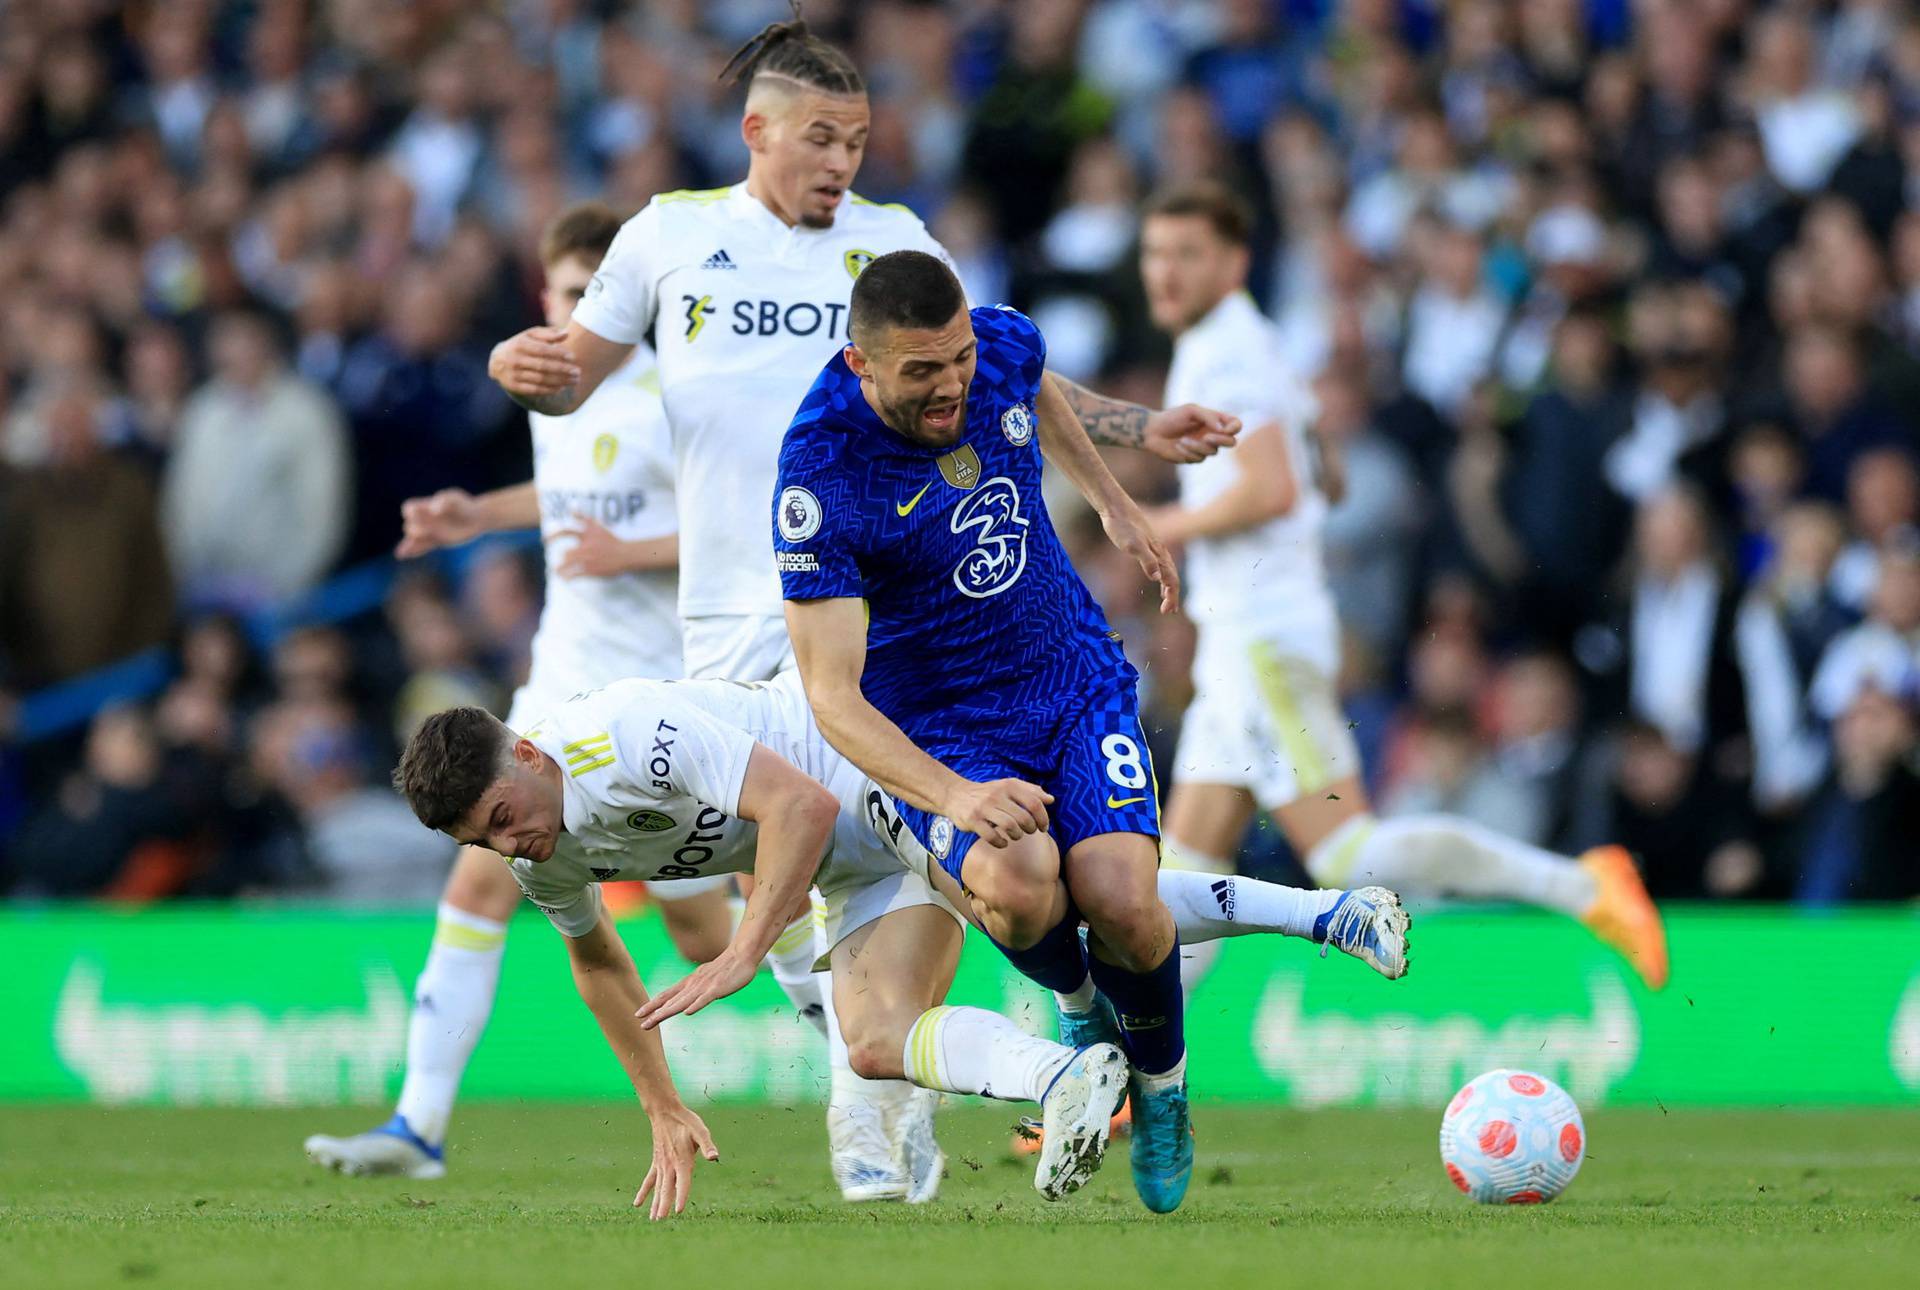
(602, 498)
(1265, 727)
(609, 784)
(950, 651)
(745, 290)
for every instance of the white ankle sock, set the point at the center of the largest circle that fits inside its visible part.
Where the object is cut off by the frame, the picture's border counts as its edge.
(1206, 907)
(971, 1050)
(791, 961)
(451, 1003)
(1081, 1001)
(1197, 957)
(1439, 855)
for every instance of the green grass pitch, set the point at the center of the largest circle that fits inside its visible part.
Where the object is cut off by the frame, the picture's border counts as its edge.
(538, 1193)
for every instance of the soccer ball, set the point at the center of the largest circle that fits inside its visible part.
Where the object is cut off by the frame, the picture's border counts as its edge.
(1512, 1138)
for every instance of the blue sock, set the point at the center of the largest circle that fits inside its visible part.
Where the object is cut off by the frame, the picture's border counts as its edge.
(1057, 960)
(1152, 1012)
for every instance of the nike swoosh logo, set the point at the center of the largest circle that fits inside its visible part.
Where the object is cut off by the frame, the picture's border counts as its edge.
(1115, 803)
(904, 511)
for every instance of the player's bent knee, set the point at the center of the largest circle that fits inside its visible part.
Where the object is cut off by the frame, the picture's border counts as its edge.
(482, 884)
(698, 943)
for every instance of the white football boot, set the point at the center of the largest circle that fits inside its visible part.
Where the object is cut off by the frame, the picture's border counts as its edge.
(1077, 1111)
(863, 1158)
(916, 1150)
(1368, 923)
(393, 1150)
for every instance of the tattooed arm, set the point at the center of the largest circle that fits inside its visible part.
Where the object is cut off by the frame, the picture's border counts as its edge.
(1185, 433)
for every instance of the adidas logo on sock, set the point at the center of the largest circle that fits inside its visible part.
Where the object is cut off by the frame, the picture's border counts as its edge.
(720, 260)
(1223, 895)
(1131, 1024)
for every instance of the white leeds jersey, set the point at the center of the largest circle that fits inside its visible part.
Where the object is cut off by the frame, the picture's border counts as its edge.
(652, 777)
(609, 460)
(745, 311)
(1265, 583)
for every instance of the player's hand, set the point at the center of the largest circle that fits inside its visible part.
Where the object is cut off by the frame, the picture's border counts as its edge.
(534, 363)
(448, 518)
(1190, 433)
(596, 552)
(1000, 811)
(680, 1141)
(724, 975)
(1128, 529)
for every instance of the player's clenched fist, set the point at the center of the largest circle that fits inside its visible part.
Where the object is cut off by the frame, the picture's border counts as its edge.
(680, 1140)
(1000, 811)
(534, 363)
(448, 518)
(1190, 433)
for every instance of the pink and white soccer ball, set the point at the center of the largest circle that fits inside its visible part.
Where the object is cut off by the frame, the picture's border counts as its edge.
(1512, 1138)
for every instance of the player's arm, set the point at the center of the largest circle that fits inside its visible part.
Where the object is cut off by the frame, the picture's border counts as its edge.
(1066, 445)
(796, 817)
(597, 553)
(1186, 433)
(453, 515)
(609, 984)
(1264, 488)
(550, 371)
(830, 644)
(1329, 465)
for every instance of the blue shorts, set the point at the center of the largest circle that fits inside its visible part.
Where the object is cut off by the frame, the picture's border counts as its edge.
(1096, 765)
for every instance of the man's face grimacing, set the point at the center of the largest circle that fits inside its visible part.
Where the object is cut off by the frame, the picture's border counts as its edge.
(916, 379)
(567, 280)
(519, 813)
(808, 147)
(1187, 269)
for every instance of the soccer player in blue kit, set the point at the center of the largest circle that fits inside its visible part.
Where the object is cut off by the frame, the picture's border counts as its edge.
(949, 650)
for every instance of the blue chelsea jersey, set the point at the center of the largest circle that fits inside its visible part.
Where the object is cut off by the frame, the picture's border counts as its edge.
(976, 619)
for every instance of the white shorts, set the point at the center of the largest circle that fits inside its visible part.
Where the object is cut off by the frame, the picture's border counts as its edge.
(1265, 721)
(877, 865)
(735, 647)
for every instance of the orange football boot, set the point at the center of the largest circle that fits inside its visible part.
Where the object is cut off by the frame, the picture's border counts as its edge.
(1624, 916)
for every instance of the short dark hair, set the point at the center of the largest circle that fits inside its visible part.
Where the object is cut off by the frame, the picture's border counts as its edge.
(789, 51)
(903, 289)
(1226, 212)
(449, 763)
(586, 229)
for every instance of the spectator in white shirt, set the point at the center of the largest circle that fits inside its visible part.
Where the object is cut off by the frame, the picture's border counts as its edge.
(258, 492)
(1804, 129)
(1454, 322)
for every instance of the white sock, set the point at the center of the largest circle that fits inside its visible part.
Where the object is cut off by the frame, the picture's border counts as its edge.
(451, 1003)
(1174, 1075)
(971, 1050)
(1439, 855)
(1206, 908)
(1081, 1001)
(791, 961)
(1197, 957)
(857, 1108)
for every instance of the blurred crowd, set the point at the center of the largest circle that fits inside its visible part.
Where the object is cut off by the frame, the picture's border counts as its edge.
(1612, 305)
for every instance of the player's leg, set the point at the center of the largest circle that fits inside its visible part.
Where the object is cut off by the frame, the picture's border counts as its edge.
(1211, 804)
(452, 1002)
(698, 914)
(1106, 817)
(890, 977)
(1204, 824)
(1345, 844)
